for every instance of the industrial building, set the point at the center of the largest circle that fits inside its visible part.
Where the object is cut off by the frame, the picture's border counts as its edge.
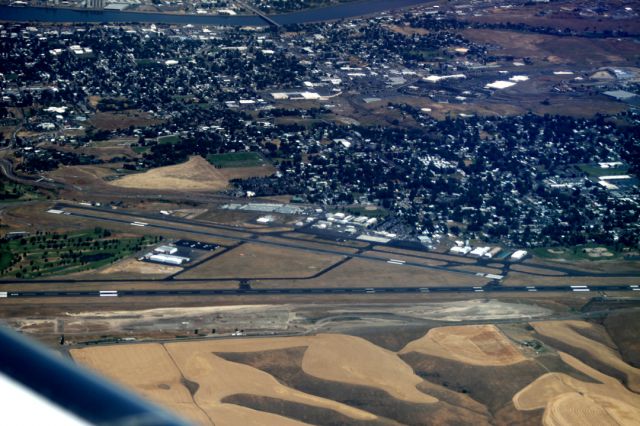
(166, 250)
(518, 254)
(168, 259)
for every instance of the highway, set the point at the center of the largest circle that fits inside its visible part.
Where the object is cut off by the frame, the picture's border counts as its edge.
(318, 291)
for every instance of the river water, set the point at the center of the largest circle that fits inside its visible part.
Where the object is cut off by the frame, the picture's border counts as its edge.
(338, 11)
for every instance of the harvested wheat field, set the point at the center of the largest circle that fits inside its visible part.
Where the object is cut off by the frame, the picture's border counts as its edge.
(575, 337)
(480, 377)
(568, 401)
(472, 344)
(196, 174)
(159, 371)
(354, 360)
(148, 369)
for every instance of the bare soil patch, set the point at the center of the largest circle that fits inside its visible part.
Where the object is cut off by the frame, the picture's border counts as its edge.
(472, 344)
(194, 175)
(134, 266)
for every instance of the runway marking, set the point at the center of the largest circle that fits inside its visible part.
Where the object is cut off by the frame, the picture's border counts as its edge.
(3, 294)
(108, 293)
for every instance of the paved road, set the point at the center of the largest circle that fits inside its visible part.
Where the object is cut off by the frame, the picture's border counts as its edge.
(259, 13)
(6, 168)
(317, 291)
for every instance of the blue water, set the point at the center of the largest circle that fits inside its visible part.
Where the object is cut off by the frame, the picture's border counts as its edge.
(339, 11)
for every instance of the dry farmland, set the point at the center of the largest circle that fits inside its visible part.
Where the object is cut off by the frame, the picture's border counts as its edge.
(474, 374)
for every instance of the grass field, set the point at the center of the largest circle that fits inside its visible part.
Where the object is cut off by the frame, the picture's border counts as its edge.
(236, 159)
(260, 261)
(12, 191)
(596, 171)
(140, 149)
(577, 253)
(57, 254)
(377, 212)
(169, 139)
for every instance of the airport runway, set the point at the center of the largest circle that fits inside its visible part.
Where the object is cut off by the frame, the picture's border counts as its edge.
(254, 239)
(178, 225)
(319, 291)
(173, 224)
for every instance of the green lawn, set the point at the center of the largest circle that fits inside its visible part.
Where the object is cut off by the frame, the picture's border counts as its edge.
(51, 253)
(596, 171)
(169, 139)
(362, 211)
(12, 191)
(140, 149)
(236, 159)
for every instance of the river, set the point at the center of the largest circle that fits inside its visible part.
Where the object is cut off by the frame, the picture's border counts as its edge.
(338, 11)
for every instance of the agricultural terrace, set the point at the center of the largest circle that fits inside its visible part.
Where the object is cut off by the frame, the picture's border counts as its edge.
(55, 254)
